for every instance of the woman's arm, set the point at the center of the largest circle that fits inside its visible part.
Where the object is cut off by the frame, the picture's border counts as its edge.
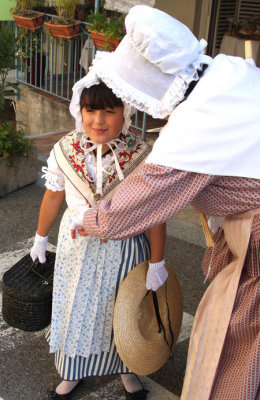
(146, 198)
(49, 211)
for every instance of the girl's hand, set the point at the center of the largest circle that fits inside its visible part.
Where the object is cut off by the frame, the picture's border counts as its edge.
(156, 275)
(39, 248)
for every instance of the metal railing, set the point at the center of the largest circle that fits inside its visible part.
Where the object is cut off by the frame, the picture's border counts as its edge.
(54, 65)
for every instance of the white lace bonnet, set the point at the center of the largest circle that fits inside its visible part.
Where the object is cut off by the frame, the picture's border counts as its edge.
(89, 80)
(155, 62)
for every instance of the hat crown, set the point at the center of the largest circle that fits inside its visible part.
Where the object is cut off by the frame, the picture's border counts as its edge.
(148, 31)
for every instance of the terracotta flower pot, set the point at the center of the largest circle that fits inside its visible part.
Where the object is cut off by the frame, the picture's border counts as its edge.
(101, 41)
(29, 23)
(64, 31)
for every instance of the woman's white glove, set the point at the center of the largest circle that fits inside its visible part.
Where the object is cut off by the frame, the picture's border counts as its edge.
(77, 222)
(156, 275)
(39, 248)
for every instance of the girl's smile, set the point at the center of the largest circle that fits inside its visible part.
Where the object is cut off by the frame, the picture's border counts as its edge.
(102, 126)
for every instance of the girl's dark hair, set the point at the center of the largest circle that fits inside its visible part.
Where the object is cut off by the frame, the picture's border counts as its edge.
(98, 97)
(194, 83)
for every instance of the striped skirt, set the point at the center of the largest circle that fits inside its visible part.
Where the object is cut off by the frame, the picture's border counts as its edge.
(133, 251)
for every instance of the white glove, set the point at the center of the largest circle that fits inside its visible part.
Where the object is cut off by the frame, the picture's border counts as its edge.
(215, 223)
(39, 248)
(156, 275)
(77, 222)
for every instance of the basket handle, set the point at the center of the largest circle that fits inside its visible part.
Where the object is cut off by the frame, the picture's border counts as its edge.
(44, 280)
(206, 230)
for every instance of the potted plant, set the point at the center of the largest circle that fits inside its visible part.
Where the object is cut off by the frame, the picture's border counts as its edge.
(106, 30)
(25, 17)
(83, 10)
(64, 26)
(18, 159)
(8, 47)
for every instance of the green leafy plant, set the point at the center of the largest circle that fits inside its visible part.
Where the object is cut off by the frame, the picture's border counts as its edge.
(23, 7)
(65, 11)
(112, 25)
(8, 47)
(28, 43)
(13, 142)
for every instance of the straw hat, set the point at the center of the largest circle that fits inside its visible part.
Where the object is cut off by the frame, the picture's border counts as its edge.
(141, 347)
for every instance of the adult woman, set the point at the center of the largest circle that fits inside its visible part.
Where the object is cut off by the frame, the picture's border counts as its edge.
(83, 166)
(207, 155)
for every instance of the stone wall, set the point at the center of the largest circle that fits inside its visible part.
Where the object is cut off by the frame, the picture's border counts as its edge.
(40, 112)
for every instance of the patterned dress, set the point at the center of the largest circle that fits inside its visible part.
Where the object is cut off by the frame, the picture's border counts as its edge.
(159, 193)
(87, 271)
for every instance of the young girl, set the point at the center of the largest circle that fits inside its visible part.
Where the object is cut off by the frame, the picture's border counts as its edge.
(84, 166)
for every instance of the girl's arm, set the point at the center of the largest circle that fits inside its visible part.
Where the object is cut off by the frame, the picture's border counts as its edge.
(157, 235)
(49, 211)
(157, 273)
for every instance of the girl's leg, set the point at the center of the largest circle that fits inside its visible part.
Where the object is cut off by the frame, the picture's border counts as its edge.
(131, 383)
(66, 386)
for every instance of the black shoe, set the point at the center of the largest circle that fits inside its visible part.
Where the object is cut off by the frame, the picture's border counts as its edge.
(52, 395)
(139, 395)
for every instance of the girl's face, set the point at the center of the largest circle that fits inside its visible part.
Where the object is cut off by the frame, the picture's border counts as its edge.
(101, 126)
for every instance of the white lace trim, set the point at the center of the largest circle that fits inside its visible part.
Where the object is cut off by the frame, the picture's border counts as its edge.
(54, 179)
(141, 100)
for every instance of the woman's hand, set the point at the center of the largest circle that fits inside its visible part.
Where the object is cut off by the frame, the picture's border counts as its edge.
(77, 226)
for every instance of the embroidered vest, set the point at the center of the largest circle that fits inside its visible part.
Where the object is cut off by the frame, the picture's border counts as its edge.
(70, 157)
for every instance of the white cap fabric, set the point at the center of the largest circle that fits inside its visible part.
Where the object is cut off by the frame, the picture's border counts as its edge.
(155, 62)
(216, 130)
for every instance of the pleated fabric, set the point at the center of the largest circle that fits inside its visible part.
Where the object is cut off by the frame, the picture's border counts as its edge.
(133, 251)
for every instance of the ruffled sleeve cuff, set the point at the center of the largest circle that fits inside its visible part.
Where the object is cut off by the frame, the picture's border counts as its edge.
(53, 175)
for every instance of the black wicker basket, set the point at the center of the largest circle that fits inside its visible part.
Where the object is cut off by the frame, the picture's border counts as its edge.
(27, 293)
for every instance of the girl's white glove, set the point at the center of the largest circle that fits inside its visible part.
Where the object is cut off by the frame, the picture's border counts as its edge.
(215, 223)
(39, 248)
(156, 275)
(77, 222)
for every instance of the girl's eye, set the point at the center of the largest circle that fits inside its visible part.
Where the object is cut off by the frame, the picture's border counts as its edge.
(89, 110)
(110, 110)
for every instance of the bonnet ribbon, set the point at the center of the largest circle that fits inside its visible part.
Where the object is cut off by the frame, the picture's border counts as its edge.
(100, 169)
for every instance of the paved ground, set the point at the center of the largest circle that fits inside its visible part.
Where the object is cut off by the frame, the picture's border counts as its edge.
(26, 367)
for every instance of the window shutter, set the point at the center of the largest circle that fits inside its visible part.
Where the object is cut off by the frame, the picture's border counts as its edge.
(222, 10)
(249, 9)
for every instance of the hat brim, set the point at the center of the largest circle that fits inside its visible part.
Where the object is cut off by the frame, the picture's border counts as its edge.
(139, 343)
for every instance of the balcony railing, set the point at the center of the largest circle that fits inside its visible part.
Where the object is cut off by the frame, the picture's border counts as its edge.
(54, 65)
